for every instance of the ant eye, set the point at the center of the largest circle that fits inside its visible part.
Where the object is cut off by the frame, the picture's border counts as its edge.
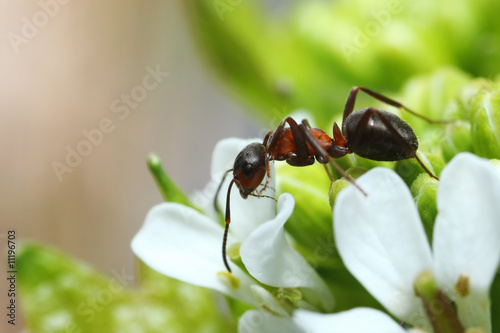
(248, 171)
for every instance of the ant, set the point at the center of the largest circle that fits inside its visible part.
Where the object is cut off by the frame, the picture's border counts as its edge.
(368, 132)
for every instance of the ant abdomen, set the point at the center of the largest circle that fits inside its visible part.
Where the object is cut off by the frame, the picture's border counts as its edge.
(377, 135)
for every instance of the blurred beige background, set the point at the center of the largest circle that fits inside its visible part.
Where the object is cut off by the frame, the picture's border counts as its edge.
(69, 75)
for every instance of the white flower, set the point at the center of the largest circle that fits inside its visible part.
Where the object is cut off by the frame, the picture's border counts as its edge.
(355, 320)
(358, 320)
(185, 244)
(382, 242)
(273, 261)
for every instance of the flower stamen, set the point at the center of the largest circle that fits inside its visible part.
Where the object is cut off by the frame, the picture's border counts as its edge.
(462, 285)
(229, 279)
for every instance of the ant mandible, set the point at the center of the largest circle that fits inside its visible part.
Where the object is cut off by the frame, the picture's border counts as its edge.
(368, 132)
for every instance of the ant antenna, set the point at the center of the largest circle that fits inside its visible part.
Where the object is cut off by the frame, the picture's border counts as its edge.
(217, 208)
(228, 220)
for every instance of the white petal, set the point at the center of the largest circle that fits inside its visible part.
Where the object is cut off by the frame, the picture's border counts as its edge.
(466, 237)
(358, 320)
(225, 152)
(262, 322)
(223, 156)
(181, 243)
(246, 214)
(269, 258)
(381, 240)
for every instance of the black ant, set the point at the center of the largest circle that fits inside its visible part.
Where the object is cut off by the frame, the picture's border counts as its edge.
(368, 132)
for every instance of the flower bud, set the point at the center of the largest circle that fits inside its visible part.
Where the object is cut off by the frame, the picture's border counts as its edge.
(485, 123)
(424, 190)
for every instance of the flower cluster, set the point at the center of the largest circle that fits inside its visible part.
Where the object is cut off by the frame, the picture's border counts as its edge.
(183, 243)
(379, 237)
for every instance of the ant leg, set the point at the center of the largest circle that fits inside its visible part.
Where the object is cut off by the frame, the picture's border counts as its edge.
(328, 172)
(424, 167)
(259, 194)
(306, 124)
(352, 97)
(265, 187)
(324, 157)
(275, 137)
(302, 137)
(349, 106)
(300, 142)
(363, 123)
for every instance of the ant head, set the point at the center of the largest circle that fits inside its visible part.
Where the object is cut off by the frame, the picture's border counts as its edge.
(250, 168)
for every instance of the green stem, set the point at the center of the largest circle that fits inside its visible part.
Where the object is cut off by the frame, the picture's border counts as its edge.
(437, 305)
(169, 191)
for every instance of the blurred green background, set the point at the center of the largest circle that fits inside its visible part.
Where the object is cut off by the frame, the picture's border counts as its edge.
(235, 68)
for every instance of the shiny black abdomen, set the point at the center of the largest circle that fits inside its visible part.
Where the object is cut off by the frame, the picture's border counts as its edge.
(376, 141)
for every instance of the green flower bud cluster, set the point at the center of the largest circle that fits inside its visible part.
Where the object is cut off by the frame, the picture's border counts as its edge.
(62, 294)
